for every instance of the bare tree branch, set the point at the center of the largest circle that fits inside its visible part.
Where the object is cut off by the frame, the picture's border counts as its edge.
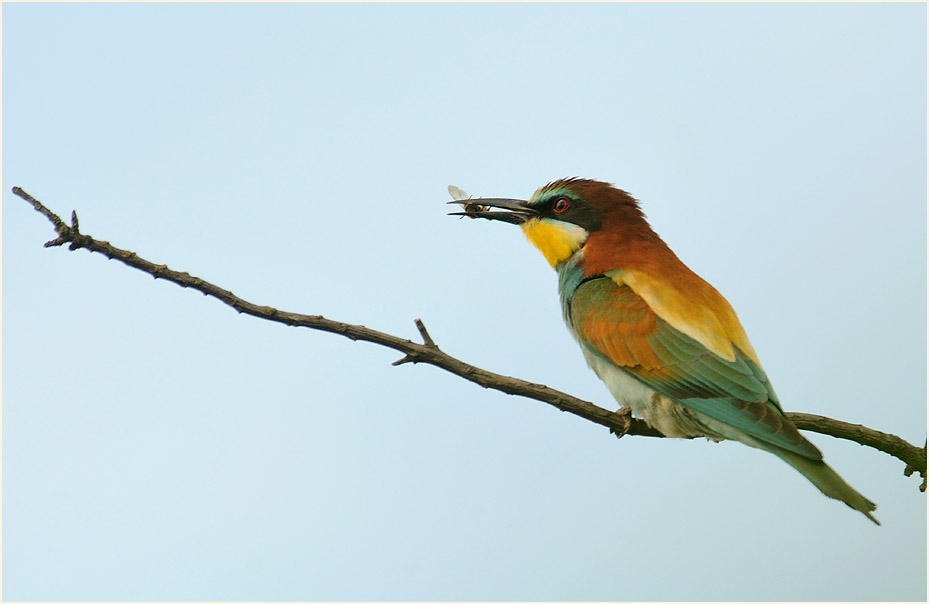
(619, 422)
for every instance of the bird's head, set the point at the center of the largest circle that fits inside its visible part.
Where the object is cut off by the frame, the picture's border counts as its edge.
(560, 217)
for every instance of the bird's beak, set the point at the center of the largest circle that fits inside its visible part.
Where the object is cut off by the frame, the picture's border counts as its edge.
(517, 210)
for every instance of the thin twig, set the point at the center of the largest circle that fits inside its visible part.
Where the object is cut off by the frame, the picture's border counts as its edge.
(427, 339)
(620, 423)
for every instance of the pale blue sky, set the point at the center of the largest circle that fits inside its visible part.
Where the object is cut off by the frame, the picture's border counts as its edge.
(158, 446)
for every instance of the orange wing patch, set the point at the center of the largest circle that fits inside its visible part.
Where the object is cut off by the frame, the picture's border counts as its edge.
(616, 321)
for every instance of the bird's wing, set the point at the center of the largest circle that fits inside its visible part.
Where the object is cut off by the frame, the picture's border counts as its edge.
(615, 321)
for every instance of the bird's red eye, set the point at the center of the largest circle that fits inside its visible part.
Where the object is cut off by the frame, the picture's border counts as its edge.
(561, 204)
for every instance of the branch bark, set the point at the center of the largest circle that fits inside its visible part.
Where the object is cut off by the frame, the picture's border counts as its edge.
(619, 423)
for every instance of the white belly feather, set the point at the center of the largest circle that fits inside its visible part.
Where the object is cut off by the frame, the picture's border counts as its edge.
(670, 418)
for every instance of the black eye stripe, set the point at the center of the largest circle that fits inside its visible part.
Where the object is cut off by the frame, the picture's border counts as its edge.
(575, 210)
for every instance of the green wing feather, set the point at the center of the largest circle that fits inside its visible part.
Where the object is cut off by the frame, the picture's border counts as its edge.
(618, 323)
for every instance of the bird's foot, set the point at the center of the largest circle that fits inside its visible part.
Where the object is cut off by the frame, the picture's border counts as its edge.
(623, 418)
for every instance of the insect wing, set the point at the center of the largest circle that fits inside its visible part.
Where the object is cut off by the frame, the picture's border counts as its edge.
(456, 193)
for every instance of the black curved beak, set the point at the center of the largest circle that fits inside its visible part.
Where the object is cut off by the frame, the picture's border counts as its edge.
(517, 210)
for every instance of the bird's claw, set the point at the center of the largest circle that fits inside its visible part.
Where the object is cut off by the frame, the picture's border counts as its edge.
(623, 420)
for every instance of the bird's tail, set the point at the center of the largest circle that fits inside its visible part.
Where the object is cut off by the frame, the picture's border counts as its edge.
(825, 479)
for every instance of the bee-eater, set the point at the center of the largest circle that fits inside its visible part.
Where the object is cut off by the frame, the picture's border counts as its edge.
(666, 343)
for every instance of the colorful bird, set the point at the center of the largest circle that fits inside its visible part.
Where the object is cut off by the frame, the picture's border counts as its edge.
(666, 343)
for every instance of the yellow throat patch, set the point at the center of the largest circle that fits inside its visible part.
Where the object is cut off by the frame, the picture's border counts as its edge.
(555, 239)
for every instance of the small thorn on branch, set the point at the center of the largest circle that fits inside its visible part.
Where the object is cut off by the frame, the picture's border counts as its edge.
(427, 339)
(56, 242)
(409, 358)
